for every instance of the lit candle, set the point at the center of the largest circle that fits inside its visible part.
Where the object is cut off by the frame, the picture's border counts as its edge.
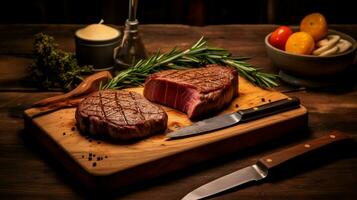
(97, 32)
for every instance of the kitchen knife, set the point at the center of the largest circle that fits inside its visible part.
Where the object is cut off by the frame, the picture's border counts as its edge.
(227, 120)
(261, 169)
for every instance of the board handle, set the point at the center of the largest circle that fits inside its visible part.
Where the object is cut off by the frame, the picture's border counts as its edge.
(269, 109)
(283, 156)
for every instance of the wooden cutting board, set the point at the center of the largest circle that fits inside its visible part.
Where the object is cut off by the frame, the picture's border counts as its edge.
(100, 163)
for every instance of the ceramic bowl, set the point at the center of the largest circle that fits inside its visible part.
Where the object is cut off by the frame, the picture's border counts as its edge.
(311, 70)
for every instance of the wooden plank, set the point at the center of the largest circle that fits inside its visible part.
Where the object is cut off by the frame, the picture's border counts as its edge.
(28, 172)
(237, 38)
(126, 160)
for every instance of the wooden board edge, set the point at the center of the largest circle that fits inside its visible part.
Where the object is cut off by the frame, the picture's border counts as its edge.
(58, 154)
(140, 173)
(200, 154)
(302, 112)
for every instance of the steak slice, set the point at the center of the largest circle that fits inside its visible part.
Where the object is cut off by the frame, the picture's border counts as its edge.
(120, 114)
(198, 92)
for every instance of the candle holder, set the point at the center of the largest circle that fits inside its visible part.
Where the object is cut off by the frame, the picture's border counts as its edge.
(131, 48)
(95, 45)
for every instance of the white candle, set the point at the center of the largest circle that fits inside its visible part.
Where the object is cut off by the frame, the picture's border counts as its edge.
(97, 32)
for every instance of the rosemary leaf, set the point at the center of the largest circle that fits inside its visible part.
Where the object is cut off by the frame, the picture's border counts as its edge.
(198, 55)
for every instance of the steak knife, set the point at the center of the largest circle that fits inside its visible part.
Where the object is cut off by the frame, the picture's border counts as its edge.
(241, 116)
(261, 169)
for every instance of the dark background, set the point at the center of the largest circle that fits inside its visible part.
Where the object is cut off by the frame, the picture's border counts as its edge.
(191, 12)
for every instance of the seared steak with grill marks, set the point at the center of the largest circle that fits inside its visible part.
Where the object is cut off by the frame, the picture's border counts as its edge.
(122, 115)
(198, 92)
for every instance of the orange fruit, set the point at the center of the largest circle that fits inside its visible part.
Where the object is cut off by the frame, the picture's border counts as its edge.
(300, 43)
(314, 24)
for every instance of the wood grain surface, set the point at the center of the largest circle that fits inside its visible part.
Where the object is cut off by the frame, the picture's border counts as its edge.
(304, 149)
(101, 158)
(29, 172)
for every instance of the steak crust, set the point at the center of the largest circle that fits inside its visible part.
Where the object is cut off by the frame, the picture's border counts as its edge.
(199, 92)
(120, 114)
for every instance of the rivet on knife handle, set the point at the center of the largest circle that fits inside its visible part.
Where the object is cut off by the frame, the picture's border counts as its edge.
(232, 119)
(269, 109)
(280, 157)
(261, 169)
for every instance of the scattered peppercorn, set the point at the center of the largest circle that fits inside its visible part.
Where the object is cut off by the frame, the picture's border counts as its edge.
(90, 154)
(105, 156)
(263, 100)
(94, 164)
(64, 133)
(73, 128)
(237, 105)
(82, 156)
(90, 158)
(269, 100)
(98, 158)
(93, 155)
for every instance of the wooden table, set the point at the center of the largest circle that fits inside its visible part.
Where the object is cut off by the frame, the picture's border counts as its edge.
(26, 171)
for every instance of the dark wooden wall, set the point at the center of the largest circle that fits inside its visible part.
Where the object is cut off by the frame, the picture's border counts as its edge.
(192, 12)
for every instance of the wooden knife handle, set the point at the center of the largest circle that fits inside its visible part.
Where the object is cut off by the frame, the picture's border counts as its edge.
(280, 157)
(269, 109)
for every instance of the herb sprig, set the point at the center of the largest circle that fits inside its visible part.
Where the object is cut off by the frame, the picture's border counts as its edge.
(198, 55)
(53, 67)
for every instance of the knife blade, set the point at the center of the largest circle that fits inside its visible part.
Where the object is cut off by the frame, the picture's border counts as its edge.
(241, 116)
(261, 169)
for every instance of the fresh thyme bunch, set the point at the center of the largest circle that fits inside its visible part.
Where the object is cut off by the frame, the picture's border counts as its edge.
(198, 55)
(53, 67)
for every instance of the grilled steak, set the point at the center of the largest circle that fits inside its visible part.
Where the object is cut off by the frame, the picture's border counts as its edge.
(198, 92)
(122, 115)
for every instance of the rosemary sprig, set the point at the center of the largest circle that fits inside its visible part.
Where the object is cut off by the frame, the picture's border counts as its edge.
(54, 68)
(198, 55)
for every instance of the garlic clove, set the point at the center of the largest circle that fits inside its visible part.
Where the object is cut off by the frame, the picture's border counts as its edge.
(322, 42)
(343, 45)
(333, 39)
(331, 43)
(330, 51)
(320, 50)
